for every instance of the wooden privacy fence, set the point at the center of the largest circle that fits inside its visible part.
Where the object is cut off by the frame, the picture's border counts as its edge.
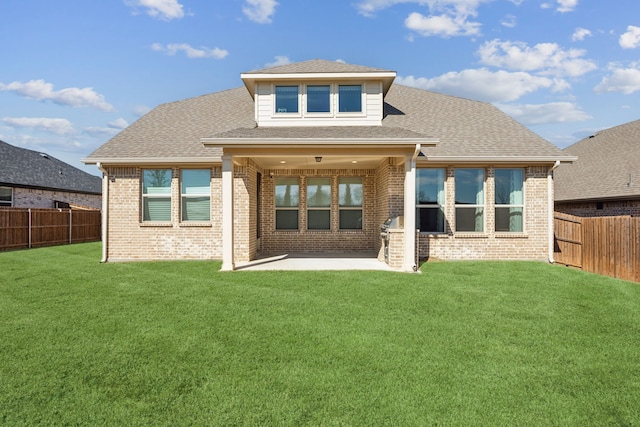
(602, 245)
(29, 228)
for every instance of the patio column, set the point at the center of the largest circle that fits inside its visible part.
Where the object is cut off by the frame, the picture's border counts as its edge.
(227, 213)
(408, 263)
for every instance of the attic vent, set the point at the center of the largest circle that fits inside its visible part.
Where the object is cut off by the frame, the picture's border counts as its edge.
(44, 155)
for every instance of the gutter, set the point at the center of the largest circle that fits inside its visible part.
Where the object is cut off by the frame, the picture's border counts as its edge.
(105, 210)
(550, 208)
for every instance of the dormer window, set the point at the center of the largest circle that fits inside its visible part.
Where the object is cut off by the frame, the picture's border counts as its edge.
(350, 98)
(287, 99)
(318, 98)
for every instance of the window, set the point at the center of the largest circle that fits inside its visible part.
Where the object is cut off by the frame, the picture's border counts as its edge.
(318, 99)
(430, 200)
(156, 195)
(196, 194)
(509, 199)
(287, 201)
(286, 99)
(319, 203)
(350, 203)
(350, 98)
(6, 196)
(469, 199)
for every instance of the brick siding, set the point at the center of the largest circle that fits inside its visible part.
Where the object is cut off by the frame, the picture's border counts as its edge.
(590, 209)
(36, 198)
(383, 195)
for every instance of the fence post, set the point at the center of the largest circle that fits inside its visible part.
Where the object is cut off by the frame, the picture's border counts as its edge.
(29, 228)
(70, 226)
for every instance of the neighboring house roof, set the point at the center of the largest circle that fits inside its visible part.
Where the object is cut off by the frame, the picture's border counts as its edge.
(608, 166)
(20, 167)
(464, 128)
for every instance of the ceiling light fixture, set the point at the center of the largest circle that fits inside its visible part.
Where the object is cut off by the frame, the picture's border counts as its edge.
(318, 159)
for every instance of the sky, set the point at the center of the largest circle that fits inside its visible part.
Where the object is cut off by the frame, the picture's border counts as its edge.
(74, 73)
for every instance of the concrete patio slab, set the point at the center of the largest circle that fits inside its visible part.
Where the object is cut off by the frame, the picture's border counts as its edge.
(310, 262)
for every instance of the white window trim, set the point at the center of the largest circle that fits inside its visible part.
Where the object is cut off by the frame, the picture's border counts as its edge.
(363, 101)
(156, 196)
(287, 115)
(350, 208)
(323, 114)
(194, 195)
(523, 205)
(437, 205)
(483, 206)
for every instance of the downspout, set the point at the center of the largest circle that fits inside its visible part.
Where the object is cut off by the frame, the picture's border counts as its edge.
(550, 208)
(105, 210)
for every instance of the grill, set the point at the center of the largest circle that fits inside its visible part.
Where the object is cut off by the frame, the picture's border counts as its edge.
(393, 223)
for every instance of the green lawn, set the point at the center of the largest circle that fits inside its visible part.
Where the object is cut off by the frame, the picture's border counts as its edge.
(179, 343)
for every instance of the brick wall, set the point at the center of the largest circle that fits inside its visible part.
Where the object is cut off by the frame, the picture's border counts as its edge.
(34, 198)
(589, 209)
(304, 240)
(531, 244)
(131, 239)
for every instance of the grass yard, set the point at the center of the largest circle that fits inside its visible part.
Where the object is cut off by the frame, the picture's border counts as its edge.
(179, 343)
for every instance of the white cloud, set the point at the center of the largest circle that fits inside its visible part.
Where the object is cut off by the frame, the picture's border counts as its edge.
(161, 9)
(630, 39)
(546, 58)
(562, 5)
(446, 18)
(191, 52)
(141, 110)
(482, 84)
(442, 25)
(279, 60)
(43, 91)
(623, 80)
(580, 34)
(119, 124)
(55, 126)
(111, 129)
(260, 11)
(554, 112)
(509, 21)
(567, 5)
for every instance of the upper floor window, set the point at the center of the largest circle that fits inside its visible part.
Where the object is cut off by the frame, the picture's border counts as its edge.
(318, 98)
(196, 194)
(287, 99)
(6, 196)
(287, 203)
(156, 195)
(469, 194)
(509, 199)
(349, 98)
(430, 200)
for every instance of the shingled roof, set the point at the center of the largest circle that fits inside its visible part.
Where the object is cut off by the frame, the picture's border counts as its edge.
(464, 128)
(20, 167)
(608, 166)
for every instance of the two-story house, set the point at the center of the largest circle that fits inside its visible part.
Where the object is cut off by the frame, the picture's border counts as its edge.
(314, 157)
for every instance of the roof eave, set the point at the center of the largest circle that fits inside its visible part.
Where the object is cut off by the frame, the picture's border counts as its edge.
(318, 142)
(497, 159)
(150, 160)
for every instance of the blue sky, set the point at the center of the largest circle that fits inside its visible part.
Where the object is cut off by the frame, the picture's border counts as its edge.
(76, 72)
